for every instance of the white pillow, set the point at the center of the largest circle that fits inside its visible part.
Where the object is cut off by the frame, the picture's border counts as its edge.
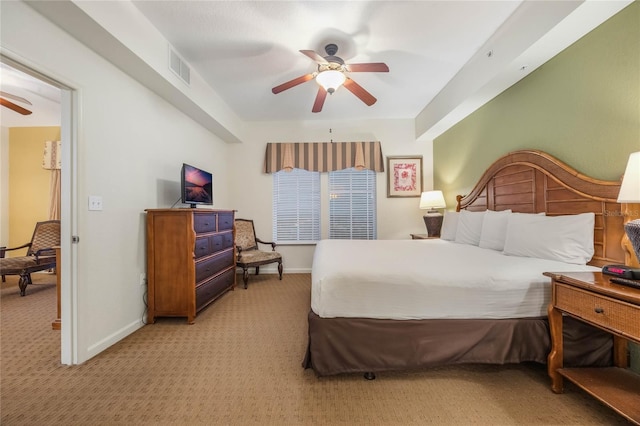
(494, 229)
(566, 239)
(449, 226)
(469, 227)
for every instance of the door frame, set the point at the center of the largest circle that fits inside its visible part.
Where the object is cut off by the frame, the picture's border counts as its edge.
(69, 125)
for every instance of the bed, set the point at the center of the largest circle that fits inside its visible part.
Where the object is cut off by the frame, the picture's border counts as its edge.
(409, 304)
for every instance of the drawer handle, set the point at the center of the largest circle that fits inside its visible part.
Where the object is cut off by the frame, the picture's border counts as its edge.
(599, 310)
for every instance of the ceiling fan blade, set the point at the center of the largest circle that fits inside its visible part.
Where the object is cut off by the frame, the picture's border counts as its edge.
(313, 55)
(15, 98)
(319, 102)
(371, 67)
(292, 83)
(359, 91)
(14, 107)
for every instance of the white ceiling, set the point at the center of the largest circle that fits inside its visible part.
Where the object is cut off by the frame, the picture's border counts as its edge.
(446, 58)
(244, 48)
(43, 99)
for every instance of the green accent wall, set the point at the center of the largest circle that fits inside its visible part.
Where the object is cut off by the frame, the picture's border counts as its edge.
(582, 106)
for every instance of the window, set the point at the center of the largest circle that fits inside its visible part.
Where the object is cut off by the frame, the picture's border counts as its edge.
(296, 206)
(352, 204)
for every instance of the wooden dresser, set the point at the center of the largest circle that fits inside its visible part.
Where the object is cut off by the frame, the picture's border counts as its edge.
(190, 260)
(590, 297)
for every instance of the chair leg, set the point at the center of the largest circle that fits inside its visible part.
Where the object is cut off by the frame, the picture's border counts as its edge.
(280, 270)
(257, 270)
(245, 277)
(22, 283)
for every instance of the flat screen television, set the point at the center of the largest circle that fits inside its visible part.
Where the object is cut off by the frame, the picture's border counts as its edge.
(197, 186)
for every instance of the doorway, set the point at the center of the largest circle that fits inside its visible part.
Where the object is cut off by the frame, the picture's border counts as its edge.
(48, 102)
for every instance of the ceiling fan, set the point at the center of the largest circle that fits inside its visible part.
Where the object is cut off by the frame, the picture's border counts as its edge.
(5, 102)
(331, 74)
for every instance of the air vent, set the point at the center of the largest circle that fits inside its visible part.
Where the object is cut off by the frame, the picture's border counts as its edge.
(179, 67)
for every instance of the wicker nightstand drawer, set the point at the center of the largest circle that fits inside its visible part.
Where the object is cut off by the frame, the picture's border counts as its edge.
(597, 309)
(590, 297)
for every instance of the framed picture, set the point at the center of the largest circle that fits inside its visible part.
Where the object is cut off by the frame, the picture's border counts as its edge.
(404, 176)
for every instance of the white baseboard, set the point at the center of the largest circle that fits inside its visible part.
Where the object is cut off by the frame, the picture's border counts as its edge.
(274, 270)
(112, 339)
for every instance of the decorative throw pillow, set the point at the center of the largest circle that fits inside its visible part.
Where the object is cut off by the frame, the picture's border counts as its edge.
(449, 226)
(494, 229)
(566, 239)
(469, 227)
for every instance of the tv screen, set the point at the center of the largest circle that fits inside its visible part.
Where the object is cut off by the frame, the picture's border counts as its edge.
(197, 186)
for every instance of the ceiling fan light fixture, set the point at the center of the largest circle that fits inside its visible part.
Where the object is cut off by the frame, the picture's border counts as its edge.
(330, 80)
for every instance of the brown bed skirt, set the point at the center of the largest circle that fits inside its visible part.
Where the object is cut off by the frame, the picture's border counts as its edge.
(359, 345)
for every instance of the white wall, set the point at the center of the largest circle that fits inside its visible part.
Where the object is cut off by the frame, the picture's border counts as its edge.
(397, 217)
(131, 145)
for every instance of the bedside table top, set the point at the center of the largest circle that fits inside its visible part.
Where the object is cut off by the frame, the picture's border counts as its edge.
(422, 237)
(598, 283)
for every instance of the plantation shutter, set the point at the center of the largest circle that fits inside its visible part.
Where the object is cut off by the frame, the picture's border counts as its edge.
(352, 204)
(296, 206)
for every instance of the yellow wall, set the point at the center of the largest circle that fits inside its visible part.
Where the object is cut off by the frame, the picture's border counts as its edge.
(28, 182)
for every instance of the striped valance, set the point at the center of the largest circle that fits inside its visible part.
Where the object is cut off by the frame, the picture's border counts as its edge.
(323, 156)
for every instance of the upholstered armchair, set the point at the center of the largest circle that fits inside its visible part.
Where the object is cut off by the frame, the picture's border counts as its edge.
(248, 253)
(40, 256)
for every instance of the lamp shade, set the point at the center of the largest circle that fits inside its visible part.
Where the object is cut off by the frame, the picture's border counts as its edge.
(330, 80)
(630, 193)
(630, 189)
(432, 200)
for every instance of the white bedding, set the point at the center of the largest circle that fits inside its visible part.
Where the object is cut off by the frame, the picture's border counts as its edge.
(421, 279)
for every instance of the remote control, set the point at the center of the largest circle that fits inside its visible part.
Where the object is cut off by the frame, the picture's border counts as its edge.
(625, 281)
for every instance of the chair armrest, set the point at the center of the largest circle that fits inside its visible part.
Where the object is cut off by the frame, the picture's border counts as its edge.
(49, 251)
(271, 243)
(4, 249)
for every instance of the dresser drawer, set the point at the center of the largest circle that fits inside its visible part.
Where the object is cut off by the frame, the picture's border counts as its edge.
(204, 222)
(202, 247)
(225, 221)
(222, 241)
(211, 289)
(210, 266)
(599, 310)
(212, 244)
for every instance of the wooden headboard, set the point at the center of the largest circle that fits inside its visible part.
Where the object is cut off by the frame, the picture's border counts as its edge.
(532, 181)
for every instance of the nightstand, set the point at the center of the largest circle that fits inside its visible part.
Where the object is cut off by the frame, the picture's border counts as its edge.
(591, 298)
(421, 237)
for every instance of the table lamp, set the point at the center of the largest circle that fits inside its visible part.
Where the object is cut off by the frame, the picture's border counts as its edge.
(630, 193)
(432, 200)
